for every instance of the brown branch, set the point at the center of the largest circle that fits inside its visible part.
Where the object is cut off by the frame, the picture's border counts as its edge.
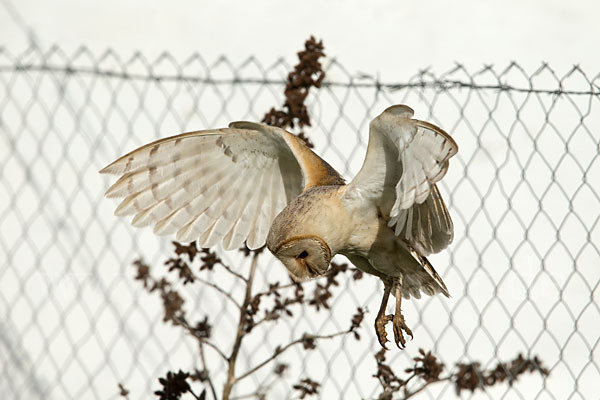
(262, 390)
(215, 348)
(279, 350)
(232, 272)
(219, 289)
(273, 289)
(408, 395)
(207, 374)
(241, 332)
(264, 319)
(464, 376)
(201, 339)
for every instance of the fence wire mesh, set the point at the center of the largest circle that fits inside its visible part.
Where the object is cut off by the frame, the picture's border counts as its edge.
(524, 268)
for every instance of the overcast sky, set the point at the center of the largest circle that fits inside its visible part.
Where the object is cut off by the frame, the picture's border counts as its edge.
(392, 38)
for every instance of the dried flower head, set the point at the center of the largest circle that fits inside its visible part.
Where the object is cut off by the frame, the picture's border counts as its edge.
(307, 387)
(427, 367)
(173, 385)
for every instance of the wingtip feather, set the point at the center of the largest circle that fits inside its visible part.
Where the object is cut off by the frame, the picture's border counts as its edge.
(400, 110)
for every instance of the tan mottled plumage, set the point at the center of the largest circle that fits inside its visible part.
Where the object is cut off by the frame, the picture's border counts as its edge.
(260, 184)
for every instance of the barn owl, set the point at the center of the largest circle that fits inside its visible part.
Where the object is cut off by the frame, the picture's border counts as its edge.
(261, 185)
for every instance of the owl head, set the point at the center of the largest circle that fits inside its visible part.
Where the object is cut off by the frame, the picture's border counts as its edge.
(305, 257)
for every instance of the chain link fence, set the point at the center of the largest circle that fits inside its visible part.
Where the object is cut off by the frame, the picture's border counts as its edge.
(524, 268)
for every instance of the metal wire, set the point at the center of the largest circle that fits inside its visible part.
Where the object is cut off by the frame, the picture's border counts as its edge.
(524, 268)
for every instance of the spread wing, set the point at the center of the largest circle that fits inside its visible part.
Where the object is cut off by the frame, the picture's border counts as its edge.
(216, 185)
(405, 159)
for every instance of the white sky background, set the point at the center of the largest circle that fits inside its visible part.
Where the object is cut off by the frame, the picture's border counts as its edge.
(395, 38)
(391, 38)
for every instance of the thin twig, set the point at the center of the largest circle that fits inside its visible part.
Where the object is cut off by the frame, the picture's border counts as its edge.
(276, 288)
(411, 394)
(218, 289)
(202, 339)
(232, 272)
(409, 378)
(261, 389)
(260, 321)
(240, 331)
(280, 350)
(190, 391)
(205, 370)
(214, 347)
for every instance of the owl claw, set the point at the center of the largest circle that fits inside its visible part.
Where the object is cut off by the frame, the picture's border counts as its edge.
(380, 323)
(399, 325)
(382, 319)
(398, 321)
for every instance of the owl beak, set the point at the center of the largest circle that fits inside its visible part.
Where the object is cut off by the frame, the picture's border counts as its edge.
(304, 266)
(313, 273)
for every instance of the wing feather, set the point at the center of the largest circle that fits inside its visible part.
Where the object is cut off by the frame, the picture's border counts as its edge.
(164, 151)
(146, 194)
(212, 211)
(405, 159)
(242, 228)
(258, 233)
(223, 214)
(240, 217)
(216, 185)
(427, 226)
(194, 201)
(145, 178)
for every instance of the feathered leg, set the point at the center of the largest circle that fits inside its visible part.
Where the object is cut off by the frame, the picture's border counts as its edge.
(398, 321)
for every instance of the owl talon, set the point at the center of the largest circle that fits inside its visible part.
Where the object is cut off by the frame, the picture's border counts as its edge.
(380, 323)
(398, 321)
(399, 325)
(382, 319)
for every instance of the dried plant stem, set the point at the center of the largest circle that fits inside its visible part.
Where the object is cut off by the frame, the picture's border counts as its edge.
(260, 321)
(240, 331)
(263, 388)
(215, 348)
(207, 374)
(193, 394)
(232, 272)
(408, 395)
(218, 289)
(280, 350)
(201, 339)
(276, 288)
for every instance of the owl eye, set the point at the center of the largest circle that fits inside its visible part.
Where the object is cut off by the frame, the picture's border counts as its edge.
(302, 255)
